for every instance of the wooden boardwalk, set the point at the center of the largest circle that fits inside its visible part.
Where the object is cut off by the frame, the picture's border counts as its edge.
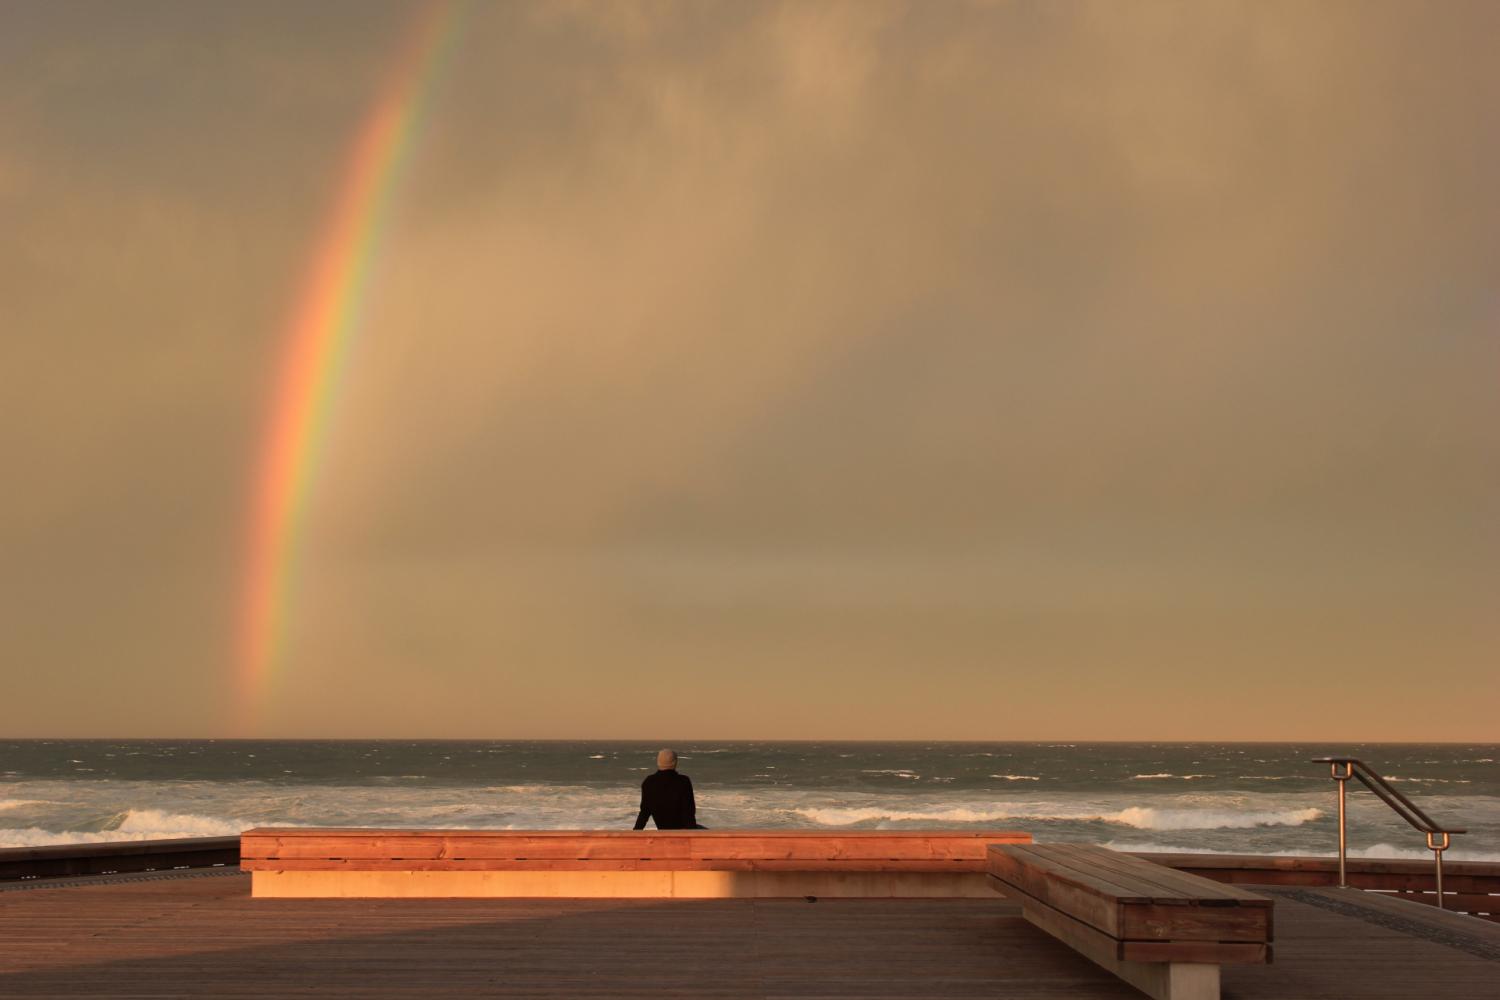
(204, 936)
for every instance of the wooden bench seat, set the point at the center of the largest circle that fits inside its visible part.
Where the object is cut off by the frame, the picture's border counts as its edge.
(619, 863)
(1163, 931)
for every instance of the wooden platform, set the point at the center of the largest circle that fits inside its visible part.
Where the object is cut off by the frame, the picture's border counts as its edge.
(203, 936)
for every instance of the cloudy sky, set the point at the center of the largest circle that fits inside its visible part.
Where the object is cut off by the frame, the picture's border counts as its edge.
(825, 370)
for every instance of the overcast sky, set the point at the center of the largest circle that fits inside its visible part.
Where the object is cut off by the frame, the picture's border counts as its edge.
(809, 370)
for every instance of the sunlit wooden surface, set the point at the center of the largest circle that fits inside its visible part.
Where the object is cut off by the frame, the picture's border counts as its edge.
(690, 864)
(206, 937)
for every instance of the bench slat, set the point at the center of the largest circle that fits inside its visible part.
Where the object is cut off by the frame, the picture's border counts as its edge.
(1124, 886)
(1142, 879)
(1195, 923)
(1169, 878)
(1205, 952)
(1091, 903)
(1098, 883)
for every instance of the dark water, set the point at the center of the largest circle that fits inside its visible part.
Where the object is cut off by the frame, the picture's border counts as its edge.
(1200, 796)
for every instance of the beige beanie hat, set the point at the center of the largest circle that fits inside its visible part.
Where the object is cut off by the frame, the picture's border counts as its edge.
(666, 760)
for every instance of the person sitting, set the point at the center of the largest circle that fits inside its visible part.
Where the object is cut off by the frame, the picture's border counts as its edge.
(667, 797)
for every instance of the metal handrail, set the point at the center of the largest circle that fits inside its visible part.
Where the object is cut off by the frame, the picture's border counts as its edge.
(1343, 769)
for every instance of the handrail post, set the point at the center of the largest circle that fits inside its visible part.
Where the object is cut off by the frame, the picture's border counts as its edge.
(1342, 777)
(1437, 856)
(1344, 768)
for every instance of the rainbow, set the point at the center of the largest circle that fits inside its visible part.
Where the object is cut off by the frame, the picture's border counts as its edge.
(315, 349)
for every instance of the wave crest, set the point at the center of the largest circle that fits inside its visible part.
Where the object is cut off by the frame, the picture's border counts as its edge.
(136, 824)
(1376, 851)
(1138, 817)
(844, 816)
(1151, 818)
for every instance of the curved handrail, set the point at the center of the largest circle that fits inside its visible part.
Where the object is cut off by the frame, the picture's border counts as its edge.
(1343, 769)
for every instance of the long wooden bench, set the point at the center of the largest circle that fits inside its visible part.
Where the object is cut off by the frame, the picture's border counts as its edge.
(1163, 931)
(653, 864)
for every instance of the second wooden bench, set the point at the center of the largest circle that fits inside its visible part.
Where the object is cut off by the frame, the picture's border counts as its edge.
(1163, 931)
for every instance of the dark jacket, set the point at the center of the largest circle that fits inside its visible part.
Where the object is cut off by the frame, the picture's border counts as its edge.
(667, 797)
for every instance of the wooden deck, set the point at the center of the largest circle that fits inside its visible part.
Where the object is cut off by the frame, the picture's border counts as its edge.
(204, 936)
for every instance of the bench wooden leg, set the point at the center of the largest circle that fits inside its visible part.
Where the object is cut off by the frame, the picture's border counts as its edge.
(1170, 980)
(1162, 980)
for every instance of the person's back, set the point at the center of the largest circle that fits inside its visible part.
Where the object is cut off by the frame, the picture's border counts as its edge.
(667, 797)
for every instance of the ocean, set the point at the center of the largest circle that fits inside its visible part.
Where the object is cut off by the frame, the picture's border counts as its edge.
(1260, 798)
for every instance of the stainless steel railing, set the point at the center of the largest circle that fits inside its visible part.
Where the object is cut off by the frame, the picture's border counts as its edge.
(1345, 768)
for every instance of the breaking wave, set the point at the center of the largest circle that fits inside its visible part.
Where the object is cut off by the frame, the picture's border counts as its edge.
(142, 824)
(845, 816)
(1138, 817)
(1374, 851)
(1150, 818)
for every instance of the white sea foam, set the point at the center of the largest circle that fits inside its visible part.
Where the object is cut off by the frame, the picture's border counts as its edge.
(899, 772)
(1157, 777)
(1374, 851)
(845, 816)
(1016, 777)
(144, 824)
(1139, 817)
(1151, 818)
(18, 803)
